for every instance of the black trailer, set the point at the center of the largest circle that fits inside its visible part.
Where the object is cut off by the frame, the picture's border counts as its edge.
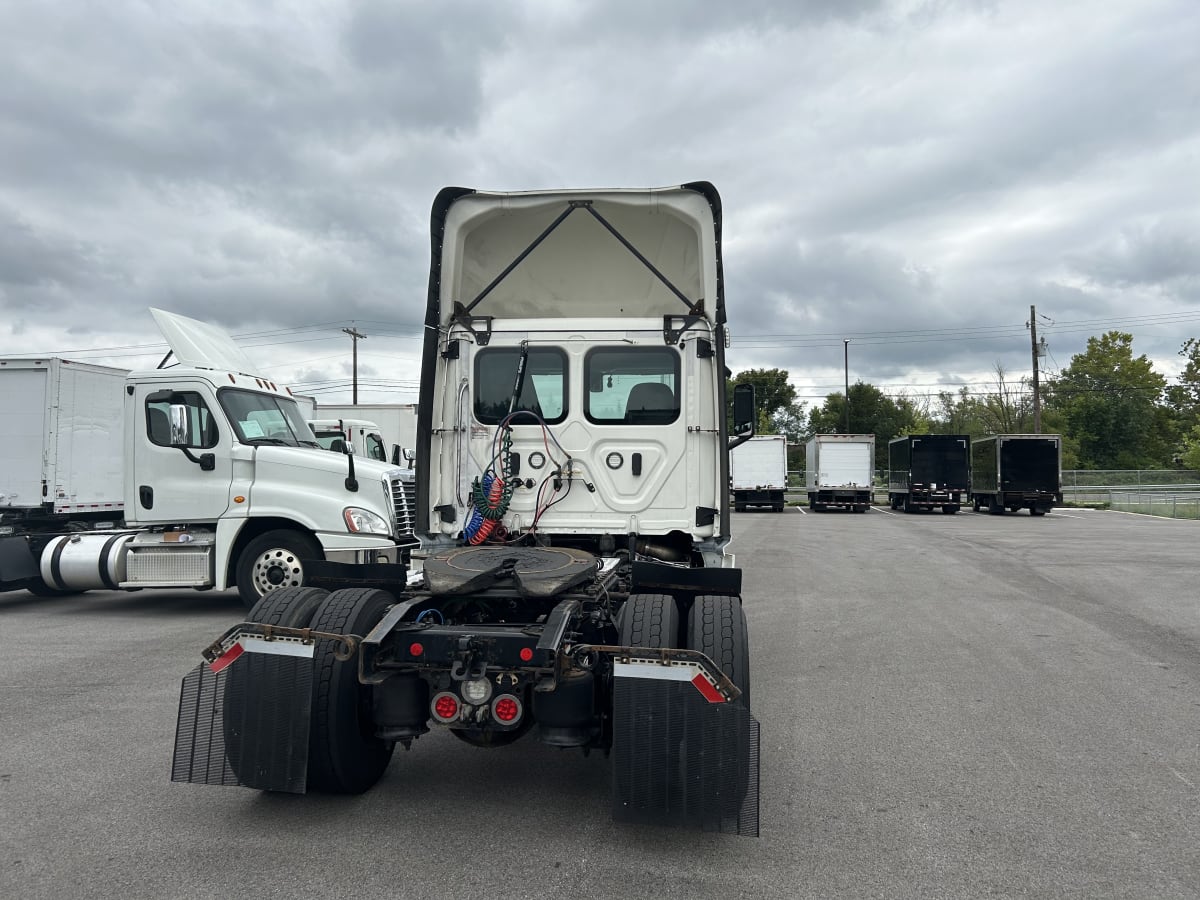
(1016, 471)
(929, 471)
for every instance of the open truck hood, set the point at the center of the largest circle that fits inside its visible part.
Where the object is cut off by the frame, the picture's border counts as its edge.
(573, 258)
(201, 345)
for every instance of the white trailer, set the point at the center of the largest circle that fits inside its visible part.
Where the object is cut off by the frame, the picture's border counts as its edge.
(63, 426)
(840, 471)
(758, 472)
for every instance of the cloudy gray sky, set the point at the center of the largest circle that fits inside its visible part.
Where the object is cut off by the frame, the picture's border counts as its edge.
(910, 175)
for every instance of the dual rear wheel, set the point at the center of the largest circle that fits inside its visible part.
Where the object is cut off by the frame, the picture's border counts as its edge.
(344, 755)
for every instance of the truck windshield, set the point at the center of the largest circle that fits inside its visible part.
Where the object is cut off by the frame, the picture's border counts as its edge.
(265, 418)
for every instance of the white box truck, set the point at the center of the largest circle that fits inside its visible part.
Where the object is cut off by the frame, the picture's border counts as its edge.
(202, 475)
(840, 471)
(758, 472)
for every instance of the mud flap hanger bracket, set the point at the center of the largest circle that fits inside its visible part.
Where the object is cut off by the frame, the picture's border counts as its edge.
(348, 643)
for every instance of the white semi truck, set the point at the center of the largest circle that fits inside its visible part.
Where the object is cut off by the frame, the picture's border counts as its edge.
(840, 471)
(396, 423)
(357, 436)
(201, 475)
(758, 472)
(572, 470)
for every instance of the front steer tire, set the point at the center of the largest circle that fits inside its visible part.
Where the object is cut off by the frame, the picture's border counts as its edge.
(344, 755)
(272, 562)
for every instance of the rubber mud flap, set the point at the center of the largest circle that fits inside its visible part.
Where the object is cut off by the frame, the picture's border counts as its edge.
(247, 725)
(711, 783)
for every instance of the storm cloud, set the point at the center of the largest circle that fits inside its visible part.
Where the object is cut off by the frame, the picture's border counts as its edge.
(909, 175)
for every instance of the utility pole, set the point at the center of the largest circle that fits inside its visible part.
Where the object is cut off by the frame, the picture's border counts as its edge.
(846, 351)
(354, 333)
(1037, 400)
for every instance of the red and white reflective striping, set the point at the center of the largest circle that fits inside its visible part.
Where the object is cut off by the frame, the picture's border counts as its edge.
(677, 671)
(276, 647)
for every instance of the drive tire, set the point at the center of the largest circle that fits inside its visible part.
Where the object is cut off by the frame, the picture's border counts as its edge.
(717, 628)
(273, 561)
(248, 682)
(1037, 511)
(949, 509)
(344, 755)
(650, 620)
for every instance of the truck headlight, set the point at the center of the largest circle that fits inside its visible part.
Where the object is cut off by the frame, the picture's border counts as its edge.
(364, 521)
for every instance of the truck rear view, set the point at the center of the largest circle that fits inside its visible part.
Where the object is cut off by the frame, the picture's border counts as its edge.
(759, 472)
(1017, 471)
(840, 471)
(572, 499)
(929, 471)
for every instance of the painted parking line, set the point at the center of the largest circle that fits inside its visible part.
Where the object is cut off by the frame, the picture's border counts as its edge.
(886, 512)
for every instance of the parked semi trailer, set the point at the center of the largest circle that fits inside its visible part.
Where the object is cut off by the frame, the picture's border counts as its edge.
(202, 475)
(758, 473)
(840, 471)
(1017, 471)
(572, 472)
(929, 471)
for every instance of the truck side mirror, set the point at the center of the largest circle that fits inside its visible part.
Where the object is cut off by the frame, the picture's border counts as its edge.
(179, 425)
(745, 415)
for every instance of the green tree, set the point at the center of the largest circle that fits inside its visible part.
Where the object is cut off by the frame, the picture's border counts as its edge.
(871, 412)
(773, 394)
(1184, 398)
(1109, 403)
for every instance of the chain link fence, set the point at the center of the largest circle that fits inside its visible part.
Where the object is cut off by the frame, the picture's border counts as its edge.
(1157, 503)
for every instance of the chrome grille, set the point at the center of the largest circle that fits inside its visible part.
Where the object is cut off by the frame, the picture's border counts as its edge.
(404, 499)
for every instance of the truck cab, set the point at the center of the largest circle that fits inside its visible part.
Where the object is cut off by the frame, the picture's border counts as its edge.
(357, 436)
(224, 485)
(589, 377)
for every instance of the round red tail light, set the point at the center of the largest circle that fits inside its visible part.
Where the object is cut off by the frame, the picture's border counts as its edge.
(526, 654)
(506, 708)
(415, 648)
(445, 707)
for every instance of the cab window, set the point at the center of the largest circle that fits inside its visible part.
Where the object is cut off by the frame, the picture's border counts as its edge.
(632, 385)
(201, 424)
(375, 448)
(543, 393)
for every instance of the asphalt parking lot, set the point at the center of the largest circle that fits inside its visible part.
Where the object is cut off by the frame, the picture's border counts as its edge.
(951, 706)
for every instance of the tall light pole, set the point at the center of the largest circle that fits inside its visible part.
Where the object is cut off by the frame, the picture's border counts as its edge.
(846, 353)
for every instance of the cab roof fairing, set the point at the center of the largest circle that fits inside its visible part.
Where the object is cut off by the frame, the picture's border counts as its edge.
(561, 254)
